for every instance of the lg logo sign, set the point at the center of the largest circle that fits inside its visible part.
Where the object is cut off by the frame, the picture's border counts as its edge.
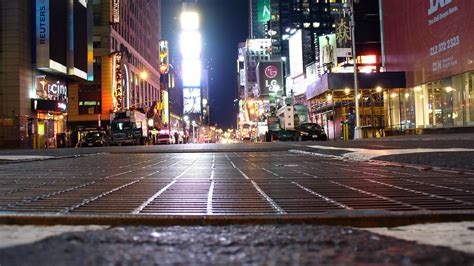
(271, 71)
(436, 4)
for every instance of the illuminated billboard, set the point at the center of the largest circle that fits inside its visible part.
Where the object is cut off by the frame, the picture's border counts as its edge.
(82, 43)
(114, 11)
(327, 52)
(56, 21)
(164, 57)
(164, 107)
(429, 40)
(270, 79)
(190, 43)
(263, 9)
(296, 54)
(191, 101)
(51, 40)
(191, 73)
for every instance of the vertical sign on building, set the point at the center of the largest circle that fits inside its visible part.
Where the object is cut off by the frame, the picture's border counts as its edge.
(327, 52)
(42, 33)
(270, 79)
(263, 9)
(117, 81)
(114, 11)
(164, 57)
(165, 107)
(296, 54)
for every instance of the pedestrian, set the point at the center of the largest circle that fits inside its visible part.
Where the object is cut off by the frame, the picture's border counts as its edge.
(351, 120)
(176, 137)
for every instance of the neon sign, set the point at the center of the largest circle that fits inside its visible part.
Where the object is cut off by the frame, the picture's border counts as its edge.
(115, 11)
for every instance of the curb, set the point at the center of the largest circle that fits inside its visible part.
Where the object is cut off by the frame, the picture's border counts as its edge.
(360, 219)
(419, 167)
(53, 158)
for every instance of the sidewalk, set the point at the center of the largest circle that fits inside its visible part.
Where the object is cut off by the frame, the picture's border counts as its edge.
(242, 244)
(425, 137)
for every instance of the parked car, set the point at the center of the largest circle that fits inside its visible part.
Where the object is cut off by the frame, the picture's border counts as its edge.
(165, 139)
(310, 131)
(247, 140)
(94, 139)
(286, 135)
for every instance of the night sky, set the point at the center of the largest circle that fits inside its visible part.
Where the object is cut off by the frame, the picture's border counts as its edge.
(224, 23)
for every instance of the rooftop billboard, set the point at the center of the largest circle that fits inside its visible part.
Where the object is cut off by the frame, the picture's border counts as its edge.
(296, 54)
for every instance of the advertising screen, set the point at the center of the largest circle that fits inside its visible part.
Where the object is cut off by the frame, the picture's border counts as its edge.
(327, 51)
(165, 112)
(164, 57)
(270, 79)
(80, 37)
(191, 101)
(263, 9)
(191, 71)
(429, 39)
(296, 54)
(58, 27)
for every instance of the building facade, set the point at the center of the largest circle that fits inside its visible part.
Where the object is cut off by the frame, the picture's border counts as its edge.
(437, 56)
(46, 49)
(314, 18)
(259, 11)
(126, 38)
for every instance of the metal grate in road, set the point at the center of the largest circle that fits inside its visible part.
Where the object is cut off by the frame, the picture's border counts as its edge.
(226, 184)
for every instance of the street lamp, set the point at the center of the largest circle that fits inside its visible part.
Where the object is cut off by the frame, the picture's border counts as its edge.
(144, 75)
(349, 8)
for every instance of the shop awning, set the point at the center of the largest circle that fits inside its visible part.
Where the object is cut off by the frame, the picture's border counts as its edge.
(341, 81)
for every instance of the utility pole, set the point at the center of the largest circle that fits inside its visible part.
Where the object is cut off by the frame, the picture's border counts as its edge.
(357, 130)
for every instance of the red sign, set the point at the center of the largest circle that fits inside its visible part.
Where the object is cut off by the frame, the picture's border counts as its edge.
(429, 39)
(271, 71)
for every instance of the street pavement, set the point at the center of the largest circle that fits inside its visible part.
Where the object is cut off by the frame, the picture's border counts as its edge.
(233, 192)
(232, 245)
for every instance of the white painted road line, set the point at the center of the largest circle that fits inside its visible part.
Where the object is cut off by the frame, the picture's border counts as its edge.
(359, 154)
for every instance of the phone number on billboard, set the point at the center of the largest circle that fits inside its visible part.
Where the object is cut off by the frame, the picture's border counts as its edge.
(444, 46)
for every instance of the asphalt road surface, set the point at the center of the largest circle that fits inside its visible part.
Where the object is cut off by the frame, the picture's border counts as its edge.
(247, 184)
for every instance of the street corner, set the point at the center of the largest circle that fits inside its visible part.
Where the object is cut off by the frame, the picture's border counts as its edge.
(457, 236)
(23, 158)
(244, 244)
(15, 235)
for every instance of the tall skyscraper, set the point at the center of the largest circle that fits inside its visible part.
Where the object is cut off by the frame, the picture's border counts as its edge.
(313, 18)
(258, 20)
(126, 63)
(45, 51)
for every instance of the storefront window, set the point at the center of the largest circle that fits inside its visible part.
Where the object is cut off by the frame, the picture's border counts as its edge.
(469, 99)
(456, 94)
(421, 106)
(89, 100)
(445, 103)
(407, 109)
(435, 104)
(392, 109)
